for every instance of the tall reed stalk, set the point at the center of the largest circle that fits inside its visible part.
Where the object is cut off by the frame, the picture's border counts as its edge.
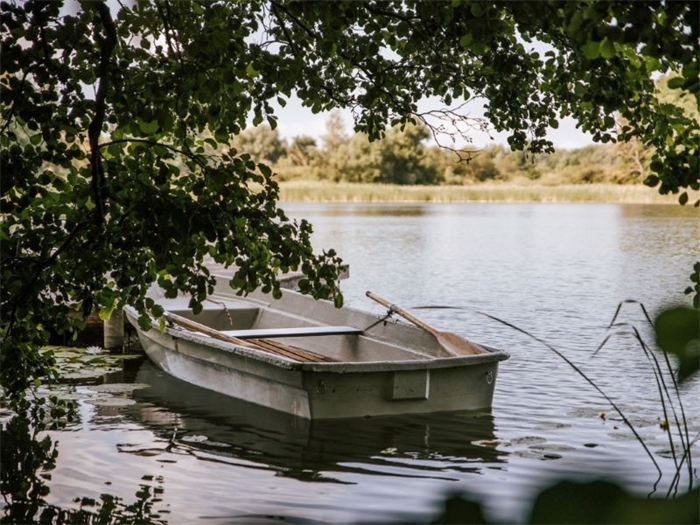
(669, 395)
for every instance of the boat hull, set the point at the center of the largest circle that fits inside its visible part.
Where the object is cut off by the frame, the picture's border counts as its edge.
(387, 385)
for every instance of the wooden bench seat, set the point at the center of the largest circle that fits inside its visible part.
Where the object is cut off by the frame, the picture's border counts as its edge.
(301, 331)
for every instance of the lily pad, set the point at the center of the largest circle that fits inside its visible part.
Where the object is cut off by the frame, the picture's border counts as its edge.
(194, 439)
(118, 388)
(111, 401)
(66, 354)
(75, 365)
(536, 454)
(490, 443)
(218, 444)
(528, 440)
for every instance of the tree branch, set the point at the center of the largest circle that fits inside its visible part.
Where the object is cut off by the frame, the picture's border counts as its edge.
(98, 119)
(190, 156)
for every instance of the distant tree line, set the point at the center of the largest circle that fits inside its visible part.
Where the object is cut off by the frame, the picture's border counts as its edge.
(404, 156)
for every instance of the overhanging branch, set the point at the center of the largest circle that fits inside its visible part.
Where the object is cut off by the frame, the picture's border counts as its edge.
(107, 44)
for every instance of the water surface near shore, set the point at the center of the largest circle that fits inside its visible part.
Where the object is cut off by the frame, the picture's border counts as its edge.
(558, 271)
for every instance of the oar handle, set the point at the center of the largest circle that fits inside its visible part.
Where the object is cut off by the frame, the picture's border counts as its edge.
(401, 312)
(193, 325)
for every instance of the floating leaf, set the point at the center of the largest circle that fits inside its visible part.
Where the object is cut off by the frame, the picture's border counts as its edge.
(118, 388)
(111, 401)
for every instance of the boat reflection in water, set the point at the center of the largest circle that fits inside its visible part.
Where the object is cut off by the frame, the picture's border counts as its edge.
(205, 422)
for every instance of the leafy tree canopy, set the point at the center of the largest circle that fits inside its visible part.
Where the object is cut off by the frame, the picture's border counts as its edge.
(116, 120)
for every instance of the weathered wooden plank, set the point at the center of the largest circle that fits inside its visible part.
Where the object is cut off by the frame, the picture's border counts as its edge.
(291, 352)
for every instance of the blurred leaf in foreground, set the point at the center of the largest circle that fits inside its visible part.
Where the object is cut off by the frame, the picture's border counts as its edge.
(678, 332)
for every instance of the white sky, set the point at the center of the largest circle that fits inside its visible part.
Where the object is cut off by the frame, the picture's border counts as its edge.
(295, 120)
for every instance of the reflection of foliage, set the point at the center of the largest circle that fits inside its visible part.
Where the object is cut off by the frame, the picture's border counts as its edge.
(28, 455)
(27, 460)
(24, 457)
(110, 509)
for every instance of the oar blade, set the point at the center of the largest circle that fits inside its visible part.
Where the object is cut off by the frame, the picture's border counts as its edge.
(457, 346)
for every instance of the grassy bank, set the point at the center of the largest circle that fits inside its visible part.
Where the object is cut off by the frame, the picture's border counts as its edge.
(317, 191)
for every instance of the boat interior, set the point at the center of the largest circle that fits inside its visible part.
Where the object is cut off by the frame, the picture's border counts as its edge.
(303, 329)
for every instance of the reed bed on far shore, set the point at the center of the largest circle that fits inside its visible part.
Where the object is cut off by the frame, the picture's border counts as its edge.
(320, 191)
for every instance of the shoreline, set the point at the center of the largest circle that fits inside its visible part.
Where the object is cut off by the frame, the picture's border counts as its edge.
(321, 191)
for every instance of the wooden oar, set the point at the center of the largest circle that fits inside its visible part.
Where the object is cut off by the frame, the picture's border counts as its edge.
(453, 344)
(193, 325)
(290, 352)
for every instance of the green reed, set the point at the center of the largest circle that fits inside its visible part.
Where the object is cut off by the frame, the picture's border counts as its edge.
(320, 191)
(672, 410)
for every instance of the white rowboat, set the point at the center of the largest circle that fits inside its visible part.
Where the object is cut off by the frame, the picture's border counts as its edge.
(305, 357)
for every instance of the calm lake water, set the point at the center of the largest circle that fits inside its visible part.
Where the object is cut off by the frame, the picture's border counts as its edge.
(558, 271)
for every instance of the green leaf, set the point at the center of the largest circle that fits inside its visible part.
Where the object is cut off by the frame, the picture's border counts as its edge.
(466, 40)
(251, 71)
(265, 170)
(144, 322)
(678, 332)
(683, 199)
(676, 83)
(651, 180)
(591, 50)
(105, 313)
(148, 128)
(196, 306)
(607, 49)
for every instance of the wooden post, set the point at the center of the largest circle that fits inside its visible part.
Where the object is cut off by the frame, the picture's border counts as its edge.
(114, 330)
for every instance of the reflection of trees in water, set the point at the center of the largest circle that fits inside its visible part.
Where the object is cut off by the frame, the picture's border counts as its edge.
(27, 460)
